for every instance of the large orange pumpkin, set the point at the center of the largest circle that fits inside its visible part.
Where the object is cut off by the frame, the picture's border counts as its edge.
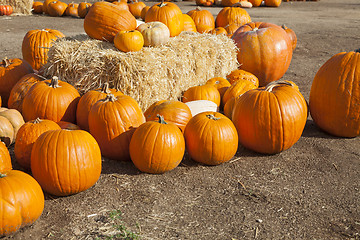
(104, 21)
(211, 138)
(5, 159)
(157, 147)
(51, 99)
(203, 19)
(335, 95)
(169, 14)
(26, 137)
(175, 112)
(11, 71)
(270, 119)
(21, 201)
(112, 122)
(88, 100)
(66, 162)
(265, 50)
(229, 15)
(36, 44)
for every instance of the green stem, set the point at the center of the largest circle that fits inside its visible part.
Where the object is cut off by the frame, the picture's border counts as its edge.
(357, 50)
(161, 119)
(2, 175)
(212, 117)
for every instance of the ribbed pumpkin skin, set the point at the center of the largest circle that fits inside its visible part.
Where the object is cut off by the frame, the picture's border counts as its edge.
(88, 100)
(220, 83)
(27, 135)
(21, 201)
(239, 74)
(83, 9)
(66, 162)
(46, 100)
(236, 89)
(6, 131)
(175, 112)
(211, 138)
(157, 147)
(169, 14)
(203, 92)
(265, 50)
(11, 71)
(20, 89)
(104, 21)
(229, 15)
(5, 159)
(112, 122)
(273, 128)
(189, 24)
(335, 95)
(202, 18)
(36, 44)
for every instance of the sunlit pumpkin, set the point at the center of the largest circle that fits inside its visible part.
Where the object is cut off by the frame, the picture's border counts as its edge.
(220, 83)
(5, 159)
(202, 92)
(229, 15)
(129, 41)
(83, 9)
(189, 24)
(239, 74)
(203, 19)
(154, 33)
(291, 35)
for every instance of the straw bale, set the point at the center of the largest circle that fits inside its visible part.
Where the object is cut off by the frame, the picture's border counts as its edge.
(152, 74)
(19, 6)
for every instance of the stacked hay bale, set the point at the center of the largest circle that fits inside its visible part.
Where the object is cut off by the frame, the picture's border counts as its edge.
(19, 6)
(152, 74)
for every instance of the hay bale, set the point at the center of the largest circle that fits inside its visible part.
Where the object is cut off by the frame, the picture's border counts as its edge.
(19, 6)
(152, 74)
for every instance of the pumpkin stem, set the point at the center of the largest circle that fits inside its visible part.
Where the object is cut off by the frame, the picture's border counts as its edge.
(6, 62)
(54, 82)
(277, 83)
(105, 88)
(198, 8)
(212, 117)
(357, 50)
(37, 120)
(110, 98)
(2, 175)
(161, 119)
(162, 4)
(283, 26)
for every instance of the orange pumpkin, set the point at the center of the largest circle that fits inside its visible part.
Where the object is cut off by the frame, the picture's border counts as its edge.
(104, 21)
(11, 71)
(231, 28)
(37, 7)
(66, 162)
(20, 89)
(189, 24)
(291, 35)
(112, 122)
(45, 6)
(169, 14)
(51, 99)
(229, 15)
(236, 89)
(220, 83)
(5, 159)
(72, 10)
(27, 135)
(122, 5)
(211, 138)
(136, 7)
(21, 201)
(88, 100)
(219, 30)
(36, 44)
(56, 8)
(229, 106)
(174, 112)
(129, 41)
(272, 3)
(157, 147)
(265, 50)
(68, 125)
(228, 3)
(255, 3)
(83, 9)
(335, 94)
(144, 11)
(239, 74)
(273, 128)
(203, 92)
(203, 19)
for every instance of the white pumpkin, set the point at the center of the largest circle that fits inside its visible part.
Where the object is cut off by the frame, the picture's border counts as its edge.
(154, 33)
(199, 106)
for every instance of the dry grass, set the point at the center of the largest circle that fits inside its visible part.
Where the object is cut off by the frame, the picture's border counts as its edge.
(19, 6)
(149, 75)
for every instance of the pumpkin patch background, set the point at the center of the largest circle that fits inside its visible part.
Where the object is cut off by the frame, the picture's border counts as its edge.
(310, 191)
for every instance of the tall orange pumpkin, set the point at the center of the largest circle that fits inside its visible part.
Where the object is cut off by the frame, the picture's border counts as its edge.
(51, 99)
(11, 71)
(21, 201)
(335, 95)
(203, 19)
(270, 119)
(157, 147)
(36, 44)
(65, 162)
(265, 50)
(112, 122)
(211, 138)
(230, 15)
(104, 21)
(169, 14)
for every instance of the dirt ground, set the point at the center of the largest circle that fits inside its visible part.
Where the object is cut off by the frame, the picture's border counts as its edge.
(311, 191)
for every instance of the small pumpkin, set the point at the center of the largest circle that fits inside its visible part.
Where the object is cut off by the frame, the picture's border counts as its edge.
(211, 138)
(272, 3)
(291, 35)
(203, 19)
(228, 3)
(231, 28)
(219, 30)
(6, 131)
(15, 118)
(5, 159)
(11, 71)
(26, 137)
(239, 74)
(65, 162)
(154, 33)
(21, 201)
(135, 7)
(112, 122)
(144, 11)
(129, 41)
(72, 10)
(83, 9)
(273, 128)
(51, 99)
(37, 7)
(36, 44)
(174, 112)
(335, 94)
(203, 92)
(220, 83)
(229, 15)
(45, 6)
(189, 24)
(56, 8)
(236, 89)
(6, 10)
(122, 5)
(255, 3)
(162, 146)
